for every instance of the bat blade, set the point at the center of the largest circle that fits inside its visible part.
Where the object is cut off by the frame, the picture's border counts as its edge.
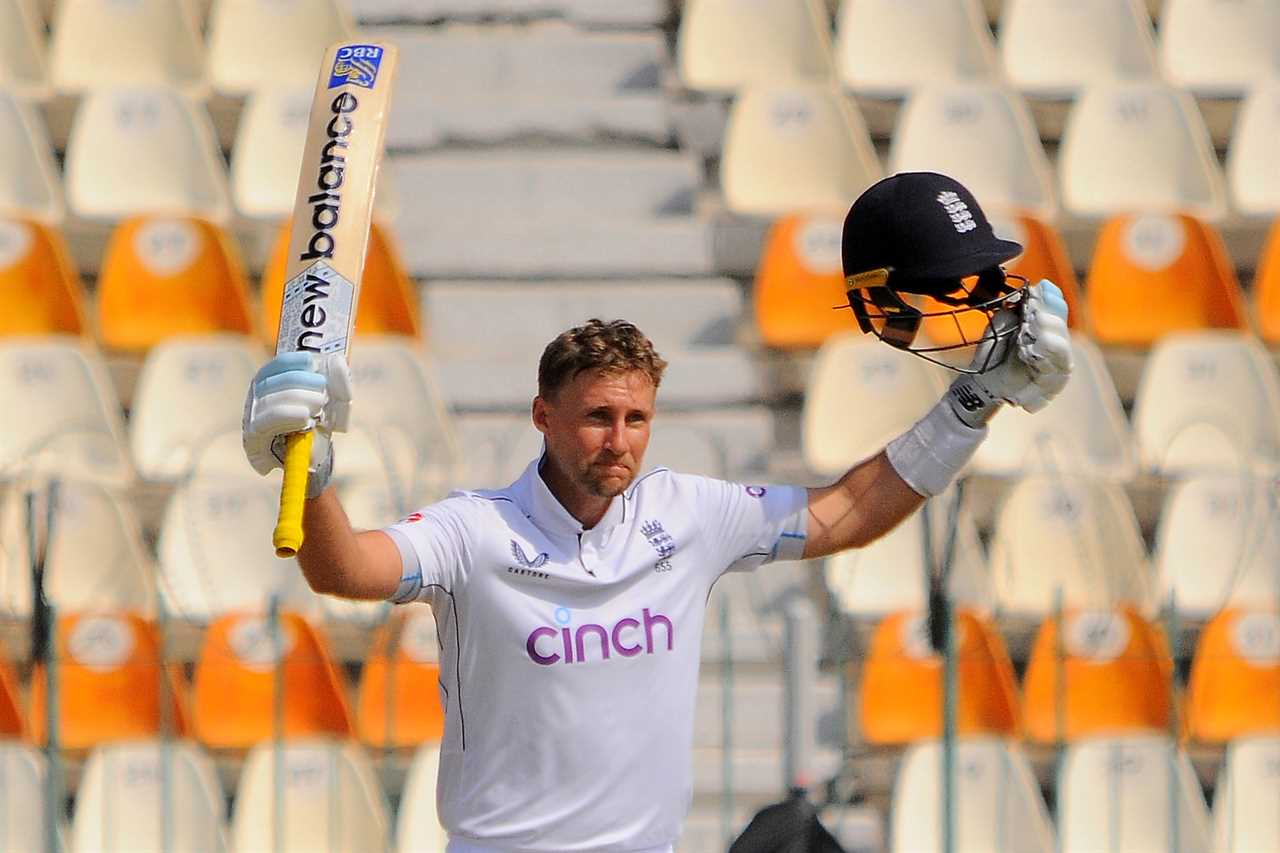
(329, 234)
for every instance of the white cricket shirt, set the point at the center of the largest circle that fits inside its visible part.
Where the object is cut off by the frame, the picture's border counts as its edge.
(569, 657)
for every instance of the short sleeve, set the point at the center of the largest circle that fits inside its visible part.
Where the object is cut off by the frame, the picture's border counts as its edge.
(434, 549)
(753, 525)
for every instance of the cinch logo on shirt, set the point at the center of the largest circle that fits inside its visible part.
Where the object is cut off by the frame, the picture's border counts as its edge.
(628, 637)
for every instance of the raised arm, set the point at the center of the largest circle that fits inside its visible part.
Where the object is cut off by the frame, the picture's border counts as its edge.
(337, 560)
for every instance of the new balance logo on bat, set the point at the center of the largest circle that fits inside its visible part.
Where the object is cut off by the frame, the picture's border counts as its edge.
(326, 205)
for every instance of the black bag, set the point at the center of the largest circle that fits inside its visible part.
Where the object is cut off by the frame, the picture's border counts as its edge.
(791, 826)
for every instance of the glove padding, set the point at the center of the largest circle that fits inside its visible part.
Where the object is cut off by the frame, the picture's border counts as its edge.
(1032, 364)
(294, 392)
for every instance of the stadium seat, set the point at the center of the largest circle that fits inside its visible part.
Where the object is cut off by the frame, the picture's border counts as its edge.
(254, 44)
(113, 683)
(1056, 50)
(13, 719)
(860, 394)
(795, 148)
(1218, 49)
(1057, 533)
(1138, 147)
(757, 710)
(1255, 186)
(1152, 275)
(213, 551)
(165, 277)
(388, 303)
(1208, 401)
(949, 41)
(144, 151)
(595, 13)
(240, 664)
(399, 704)
(190, 391)
(150, 795)
(688, 447)
(40, 289)
(23, 777)
(331, 800)
(1218, 545)
(1247, 786)
(1234, 687)
(1266, 288)
(497, 447)
(724, 45)
(998, 803)
(418, 828)
(901, 695)
(891, 573)
(1083, 430)
(753, 636)
(799, 294)
(61, 414)
(1136, 792)
(743, 438)
(99, 44)
(29, 184)
(1109, 673)
(22, 59)
(983, 136)
(96, 558)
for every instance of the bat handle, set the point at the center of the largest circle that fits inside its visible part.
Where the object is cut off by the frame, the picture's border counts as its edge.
(297, 460)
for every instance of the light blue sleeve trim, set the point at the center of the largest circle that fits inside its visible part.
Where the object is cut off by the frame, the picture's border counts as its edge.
(411, 573)
(790, 544)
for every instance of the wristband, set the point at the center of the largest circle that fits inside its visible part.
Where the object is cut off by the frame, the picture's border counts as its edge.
(929, 455)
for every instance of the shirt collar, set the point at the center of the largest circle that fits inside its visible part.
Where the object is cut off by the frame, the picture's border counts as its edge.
(550, 515)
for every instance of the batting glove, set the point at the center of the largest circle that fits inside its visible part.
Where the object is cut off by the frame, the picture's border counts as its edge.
(1031, 351)
(294, 392)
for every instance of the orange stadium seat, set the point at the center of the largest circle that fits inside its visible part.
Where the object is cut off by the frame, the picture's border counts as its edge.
(1157, 274)
(1113, 666)
(388, 305)
(235, 681)
(40, 291)
(170, 276)
(12, 720)
(399, 704)
(902, 682)
(1234, 688)
(1266, 288)
(800, 285)
(109, 683)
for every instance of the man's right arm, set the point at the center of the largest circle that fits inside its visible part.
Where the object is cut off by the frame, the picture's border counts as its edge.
(336, 560)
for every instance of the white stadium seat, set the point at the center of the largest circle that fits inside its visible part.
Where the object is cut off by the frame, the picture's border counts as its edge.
(29, 183)
(1244, 799)
(146, 150)
(949, 40)
(755, 775)
(148, 795)
(214, 550)
(1251, 171)
(61, 415)
(981, 135)
(688, 448)
(1219, 49)
(1130, 793)
(998, 805)
(1053, 49)
(418, 828)
(1138, 146)
(22, 795)
(96, 559)
(104, 44)
(191, 390)
(255, 44)
(497, 448)
(797, 146)
(267, 153)
(1083, 430)
(22, 58)
(1073, 536)
(331, 800)
(724, 45)
(1218, 545)
(859, 395)
(1208, 401)
(589, 13)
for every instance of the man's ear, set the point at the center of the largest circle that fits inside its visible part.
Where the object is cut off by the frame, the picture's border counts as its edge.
(539, 413)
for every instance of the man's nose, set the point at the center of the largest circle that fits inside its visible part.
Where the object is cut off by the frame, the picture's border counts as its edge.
(617, 441)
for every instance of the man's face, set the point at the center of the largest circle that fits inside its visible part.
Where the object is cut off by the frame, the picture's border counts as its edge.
(597, 428)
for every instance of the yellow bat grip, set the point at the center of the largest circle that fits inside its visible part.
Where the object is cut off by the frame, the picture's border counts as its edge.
(297, 460)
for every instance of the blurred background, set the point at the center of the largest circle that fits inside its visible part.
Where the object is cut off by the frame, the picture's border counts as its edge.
(1113, 681)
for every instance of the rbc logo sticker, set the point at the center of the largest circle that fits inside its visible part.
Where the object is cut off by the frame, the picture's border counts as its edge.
(356, 64)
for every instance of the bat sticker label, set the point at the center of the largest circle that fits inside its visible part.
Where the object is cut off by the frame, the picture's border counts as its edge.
(318, 304)
(357, 65)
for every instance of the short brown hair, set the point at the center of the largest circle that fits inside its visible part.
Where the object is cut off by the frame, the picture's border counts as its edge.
(613, 347)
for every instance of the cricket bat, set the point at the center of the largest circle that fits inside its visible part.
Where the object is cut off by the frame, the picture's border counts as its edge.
(330, 232)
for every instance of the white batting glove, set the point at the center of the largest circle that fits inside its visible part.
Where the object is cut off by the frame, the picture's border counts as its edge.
(294, 392)
(1032, 364)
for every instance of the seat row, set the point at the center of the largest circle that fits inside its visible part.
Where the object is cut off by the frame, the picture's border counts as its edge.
(1045, 48)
